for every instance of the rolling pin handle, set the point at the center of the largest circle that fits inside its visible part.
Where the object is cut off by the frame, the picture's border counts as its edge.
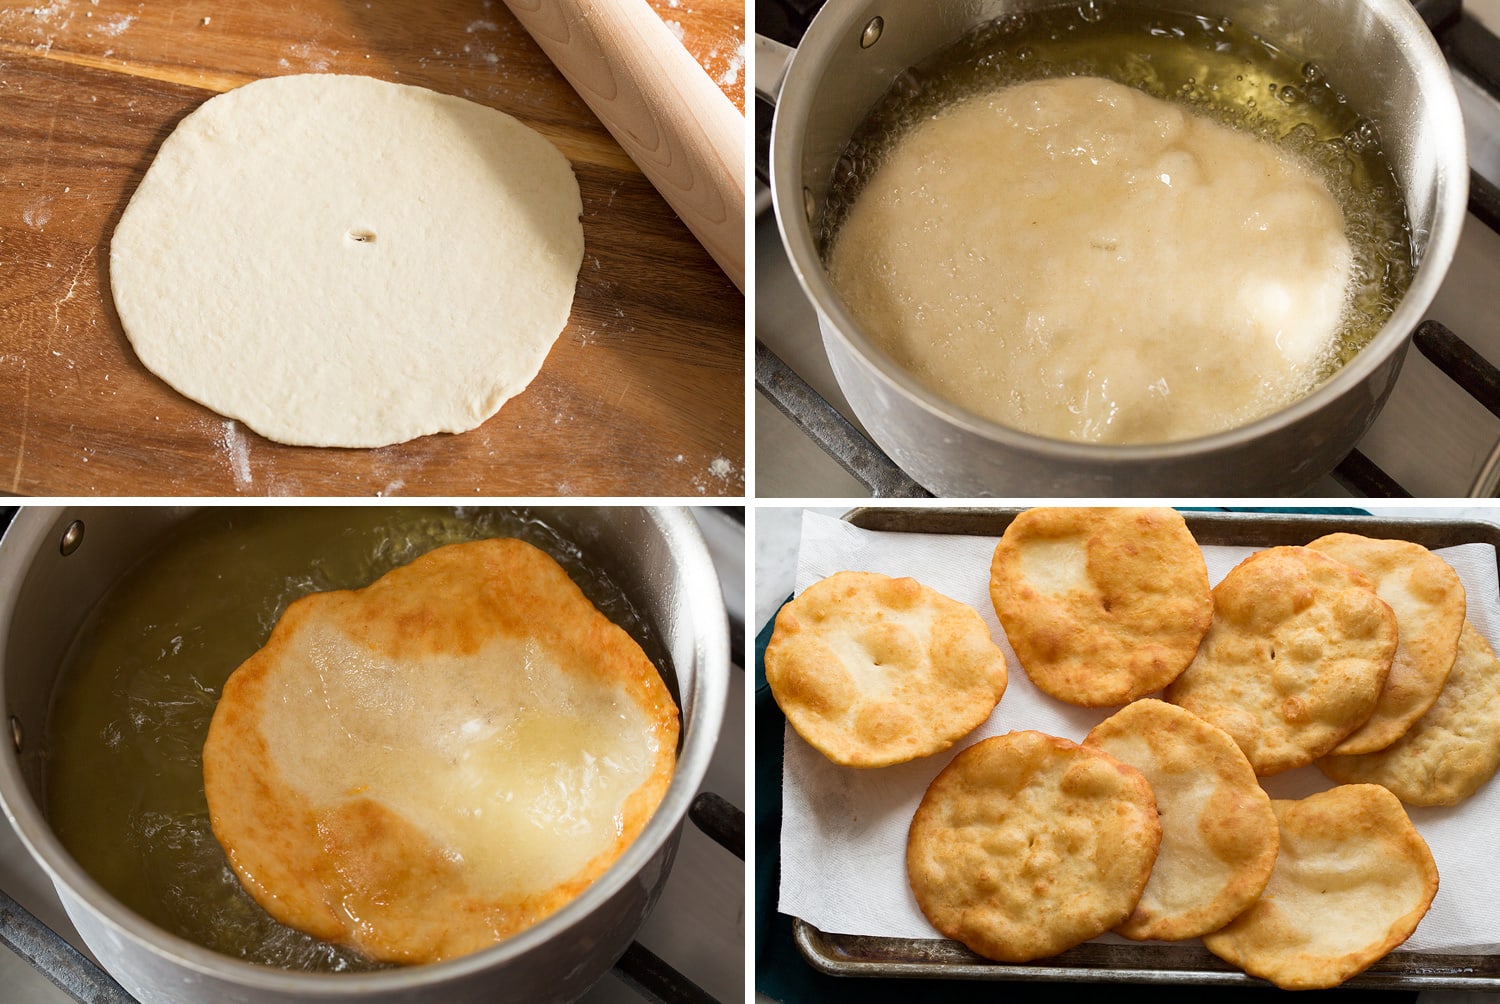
(686, 136)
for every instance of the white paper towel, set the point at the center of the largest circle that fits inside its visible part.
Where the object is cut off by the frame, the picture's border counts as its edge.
(843, 836)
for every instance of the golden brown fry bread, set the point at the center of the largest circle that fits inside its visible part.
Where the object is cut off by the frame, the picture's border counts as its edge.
(1352, 881)
(425, 766)
(1299, 649)
(1451, 750)
(1428, 599)
(1218, 833)
(1102, 606)
(1027, 844)
(873, 671)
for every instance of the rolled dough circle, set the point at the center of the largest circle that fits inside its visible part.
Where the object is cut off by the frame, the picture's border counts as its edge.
(342, 261)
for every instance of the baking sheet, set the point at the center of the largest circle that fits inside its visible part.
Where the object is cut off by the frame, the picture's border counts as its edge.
(845, 954)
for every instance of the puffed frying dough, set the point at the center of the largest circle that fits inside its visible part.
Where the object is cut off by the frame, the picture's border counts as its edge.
(1298, 652)
(430, 764)
(1026, 845)
(1352, 881)
(1451, 750)
(873, 670)
(1026, 308)
(1427, 597)
(1218, 833)
(1102, 606)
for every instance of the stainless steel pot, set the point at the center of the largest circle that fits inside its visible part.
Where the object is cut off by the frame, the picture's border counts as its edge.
(46, 589)
(1377, 52)
(1487, 482)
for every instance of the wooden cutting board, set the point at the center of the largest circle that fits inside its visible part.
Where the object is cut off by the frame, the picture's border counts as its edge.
(644, 393)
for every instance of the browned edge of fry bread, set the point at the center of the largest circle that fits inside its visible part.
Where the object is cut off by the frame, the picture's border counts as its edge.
(1427, 597)
(1452, 750)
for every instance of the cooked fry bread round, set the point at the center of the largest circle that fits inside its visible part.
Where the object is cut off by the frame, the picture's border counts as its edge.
(873, 671)
(1352, 881)
(1026, 845)
(430, 764)
(1427, 597)
(1452, 749)
(1299, 649)
(1218, 833)
(1102, 606)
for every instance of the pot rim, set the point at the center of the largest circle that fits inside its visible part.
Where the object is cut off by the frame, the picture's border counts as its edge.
(700, 736)
(794, 105)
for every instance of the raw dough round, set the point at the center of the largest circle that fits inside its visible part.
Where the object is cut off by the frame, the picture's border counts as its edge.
(341, 261)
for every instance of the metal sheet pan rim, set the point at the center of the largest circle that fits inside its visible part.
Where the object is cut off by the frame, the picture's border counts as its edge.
(1398, 970)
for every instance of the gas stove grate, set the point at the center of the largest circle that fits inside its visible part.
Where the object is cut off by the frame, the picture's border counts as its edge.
(51, 955)
(1467, 44)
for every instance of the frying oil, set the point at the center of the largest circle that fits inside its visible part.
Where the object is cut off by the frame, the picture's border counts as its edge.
(139, 685)
(1211, 65)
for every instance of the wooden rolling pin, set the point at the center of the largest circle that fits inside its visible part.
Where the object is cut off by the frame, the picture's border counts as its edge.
(660, 105)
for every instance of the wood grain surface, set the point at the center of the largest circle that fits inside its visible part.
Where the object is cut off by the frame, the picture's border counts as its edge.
(655, 98)
(642, 395)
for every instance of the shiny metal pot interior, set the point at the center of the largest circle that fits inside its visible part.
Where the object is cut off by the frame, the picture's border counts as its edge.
(1376, 52)
(50, 577)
